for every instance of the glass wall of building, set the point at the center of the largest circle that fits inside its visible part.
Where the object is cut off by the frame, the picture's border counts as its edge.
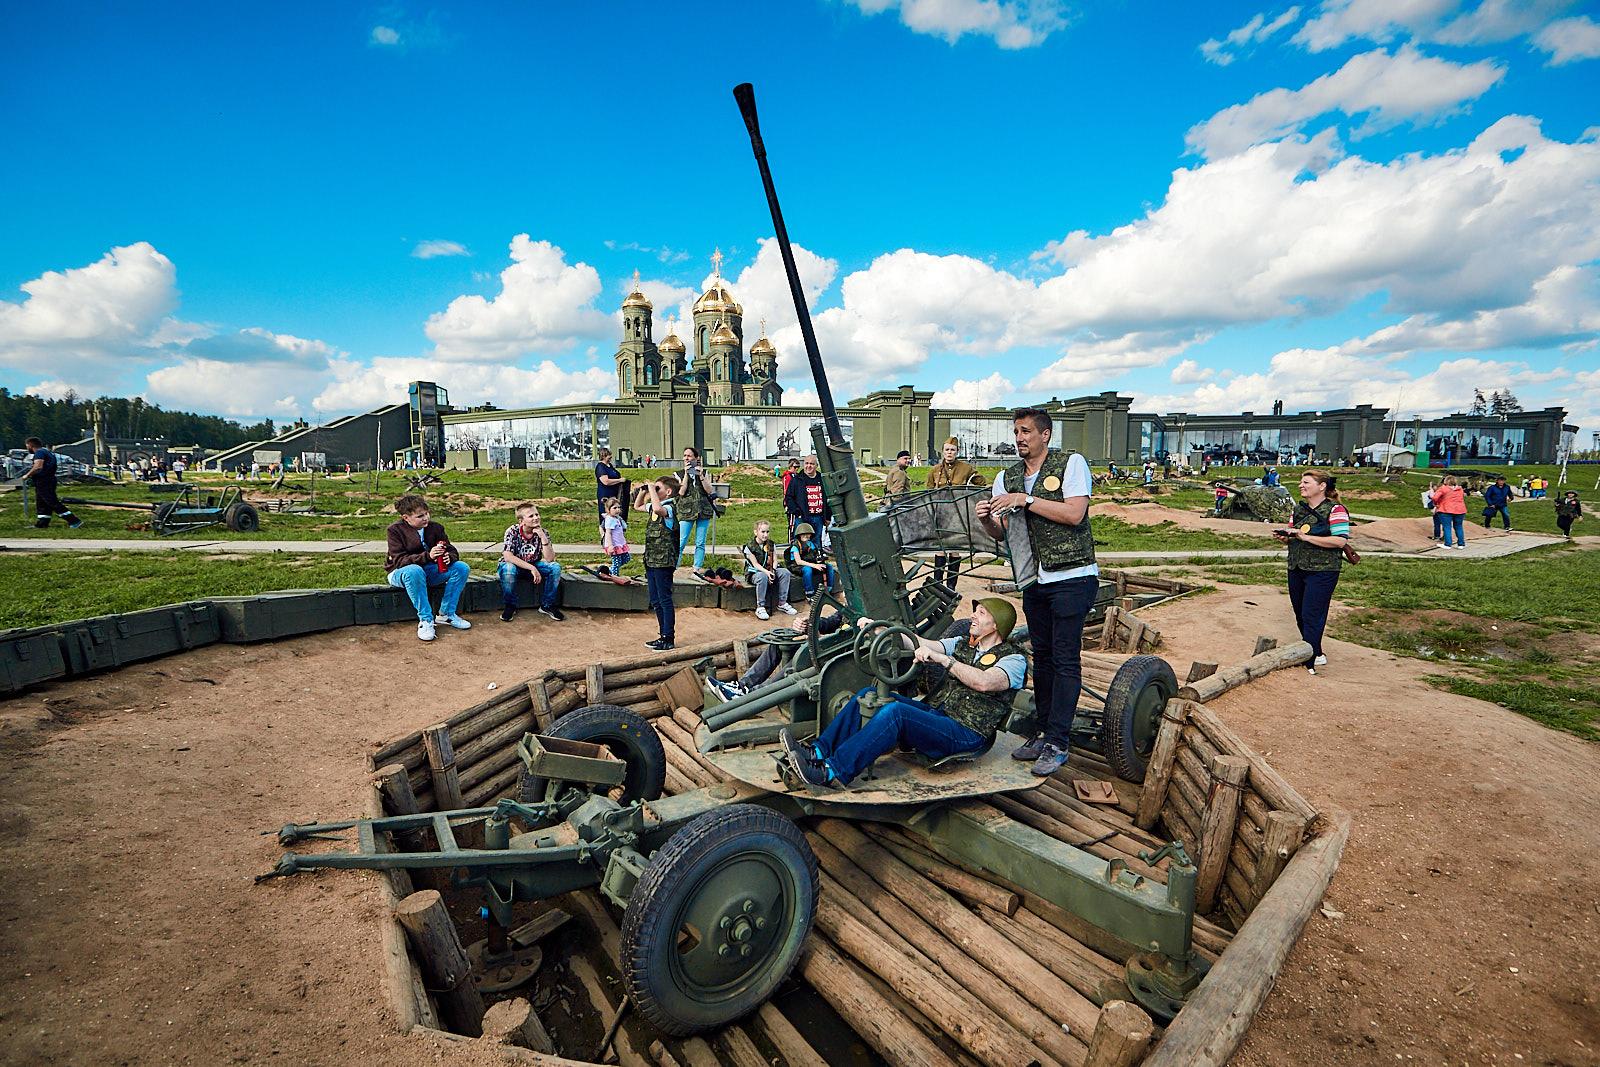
(1463, 444)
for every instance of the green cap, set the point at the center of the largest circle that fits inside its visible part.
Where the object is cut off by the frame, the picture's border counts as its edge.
(1005, 616)
(804, 528)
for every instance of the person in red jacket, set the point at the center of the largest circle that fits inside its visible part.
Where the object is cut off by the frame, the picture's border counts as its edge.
(1450, 502)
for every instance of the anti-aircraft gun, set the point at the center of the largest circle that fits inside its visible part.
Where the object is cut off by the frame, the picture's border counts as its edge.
(718, 885)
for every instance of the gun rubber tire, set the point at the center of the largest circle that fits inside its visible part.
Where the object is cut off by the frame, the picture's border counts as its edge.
(727, 867)
(1134, 702)
(628, 735)
(242, 518)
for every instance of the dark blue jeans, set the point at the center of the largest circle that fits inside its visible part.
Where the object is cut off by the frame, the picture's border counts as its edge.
(659, 580)
(1505, 516)
(1310, 592)
(549, 582)
(1055, 614)
(850, 746)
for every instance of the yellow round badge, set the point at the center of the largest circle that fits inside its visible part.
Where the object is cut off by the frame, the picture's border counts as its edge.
(1052, 483)
(987, 660)
(1305, 528)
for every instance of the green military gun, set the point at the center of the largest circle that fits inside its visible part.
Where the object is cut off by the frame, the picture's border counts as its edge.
(718, 885)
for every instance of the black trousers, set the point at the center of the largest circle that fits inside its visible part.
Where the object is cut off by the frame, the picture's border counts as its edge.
(659, 582)
(44, 495)
(1310, 593)
(1055, 614)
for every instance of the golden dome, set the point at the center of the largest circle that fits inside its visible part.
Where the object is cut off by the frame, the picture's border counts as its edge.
(717, 298)
(636, 299)
(763, 347)
(724, 336)
(670, 343)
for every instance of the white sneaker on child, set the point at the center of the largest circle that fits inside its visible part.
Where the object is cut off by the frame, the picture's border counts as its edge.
(787, 609)
(454, 620)
(761, 613)
(425, 630)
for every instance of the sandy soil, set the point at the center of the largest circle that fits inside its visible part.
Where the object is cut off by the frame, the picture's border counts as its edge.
(130, 806)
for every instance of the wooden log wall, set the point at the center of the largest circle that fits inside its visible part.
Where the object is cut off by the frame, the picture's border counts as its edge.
(470, 759)
(1215, 794)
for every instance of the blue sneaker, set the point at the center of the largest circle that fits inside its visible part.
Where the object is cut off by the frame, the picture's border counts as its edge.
(1050, 760)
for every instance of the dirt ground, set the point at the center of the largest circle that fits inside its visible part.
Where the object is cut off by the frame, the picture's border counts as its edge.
(1461, 929)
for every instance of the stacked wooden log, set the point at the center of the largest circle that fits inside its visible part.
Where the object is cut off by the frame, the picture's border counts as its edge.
(930, 962)
(470, 759)
(1234, 675)
(1236, 816)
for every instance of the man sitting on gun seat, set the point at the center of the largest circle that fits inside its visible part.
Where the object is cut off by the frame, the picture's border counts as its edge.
(983, 671)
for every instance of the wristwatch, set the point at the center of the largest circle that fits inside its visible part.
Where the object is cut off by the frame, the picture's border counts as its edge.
(1028, 503)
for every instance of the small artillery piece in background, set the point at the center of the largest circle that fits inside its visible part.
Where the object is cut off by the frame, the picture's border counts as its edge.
(195, 509)
(718, 884)
(1257, 503)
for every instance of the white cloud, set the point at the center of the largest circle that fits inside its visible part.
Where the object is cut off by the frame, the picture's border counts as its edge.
(100, 310)
(1249, 238)
(1338, 21)
(251, 373)
(763, 287)
(1389, 90)
(1188, 372)
(356, 387)
(1255, 31)
(434, 249)
(1570, 39)
(1013, 24)
(801, 398)
(384, 35)
(984, 393)
(544, 305)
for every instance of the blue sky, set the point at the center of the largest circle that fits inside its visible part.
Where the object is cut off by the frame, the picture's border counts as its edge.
(293, 210)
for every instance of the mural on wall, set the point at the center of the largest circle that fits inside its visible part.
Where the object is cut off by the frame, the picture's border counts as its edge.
(1469, 443)
(762, 437)
(549, 437)
(989, 439)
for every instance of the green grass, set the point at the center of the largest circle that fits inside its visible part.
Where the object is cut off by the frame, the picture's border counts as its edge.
(1575, 710)
(1512, 629)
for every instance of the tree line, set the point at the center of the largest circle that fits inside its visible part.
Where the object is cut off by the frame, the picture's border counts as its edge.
(70, 418)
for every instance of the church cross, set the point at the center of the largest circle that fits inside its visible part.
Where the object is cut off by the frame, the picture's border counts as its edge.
(635, 281)
(716, 260)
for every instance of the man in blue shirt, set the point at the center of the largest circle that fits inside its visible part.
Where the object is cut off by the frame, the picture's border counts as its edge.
(42, 475)
(1497, 498)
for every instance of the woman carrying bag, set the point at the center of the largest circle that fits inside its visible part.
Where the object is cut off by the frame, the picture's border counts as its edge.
(1450, 502)
(1318, 538)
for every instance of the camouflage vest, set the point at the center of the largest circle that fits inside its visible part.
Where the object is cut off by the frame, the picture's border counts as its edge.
(1304, 557)
(982, 713)
(693, 504)
(661, 540)
(1056, 546)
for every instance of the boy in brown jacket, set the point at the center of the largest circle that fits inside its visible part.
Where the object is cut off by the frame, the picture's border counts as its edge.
(421, 555)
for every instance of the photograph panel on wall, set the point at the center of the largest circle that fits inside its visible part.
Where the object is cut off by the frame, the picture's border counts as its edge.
(761, 437)
(547, 437)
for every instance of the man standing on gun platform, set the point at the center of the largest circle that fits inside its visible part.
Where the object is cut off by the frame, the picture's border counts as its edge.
(1040, 508)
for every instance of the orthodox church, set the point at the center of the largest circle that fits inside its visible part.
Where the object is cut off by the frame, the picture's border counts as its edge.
(716, 367)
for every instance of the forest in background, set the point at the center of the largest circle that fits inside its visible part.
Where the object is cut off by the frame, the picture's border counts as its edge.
(67, 419)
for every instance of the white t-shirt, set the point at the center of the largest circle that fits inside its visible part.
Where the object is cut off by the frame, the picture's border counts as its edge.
(1075, 481)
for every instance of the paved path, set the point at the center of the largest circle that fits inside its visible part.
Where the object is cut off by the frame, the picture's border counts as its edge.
(1477, 548)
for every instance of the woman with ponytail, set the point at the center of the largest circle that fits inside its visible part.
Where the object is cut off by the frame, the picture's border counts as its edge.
(1316, 538)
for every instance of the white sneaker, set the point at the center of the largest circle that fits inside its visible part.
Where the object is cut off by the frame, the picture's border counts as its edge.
(1319, 661)
(787, 609)
(425, 631)
(761, 613)
(454, 620)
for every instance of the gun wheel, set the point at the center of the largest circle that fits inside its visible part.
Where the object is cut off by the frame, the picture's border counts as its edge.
(629, 736)
(718, 918)
(1141, 688)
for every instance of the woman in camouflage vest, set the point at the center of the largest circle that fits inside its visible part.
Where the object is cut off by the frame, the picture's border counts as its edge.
(984, 671)
(1316, 538)
(659, 500)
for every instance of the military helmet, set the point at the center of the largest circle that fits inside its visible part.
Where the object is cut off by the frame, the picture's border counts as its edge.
(804, 528)
(1005, 616)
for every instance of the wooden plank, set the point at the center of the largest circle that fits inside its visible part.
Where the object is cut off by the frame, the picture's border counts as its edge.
(1158, 772)
(1239, 673)
(595, 679)
(1279, 844)
(1213, 1022)
(442, 765)
(444, 961)
(1216, 834)
(543, 716)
